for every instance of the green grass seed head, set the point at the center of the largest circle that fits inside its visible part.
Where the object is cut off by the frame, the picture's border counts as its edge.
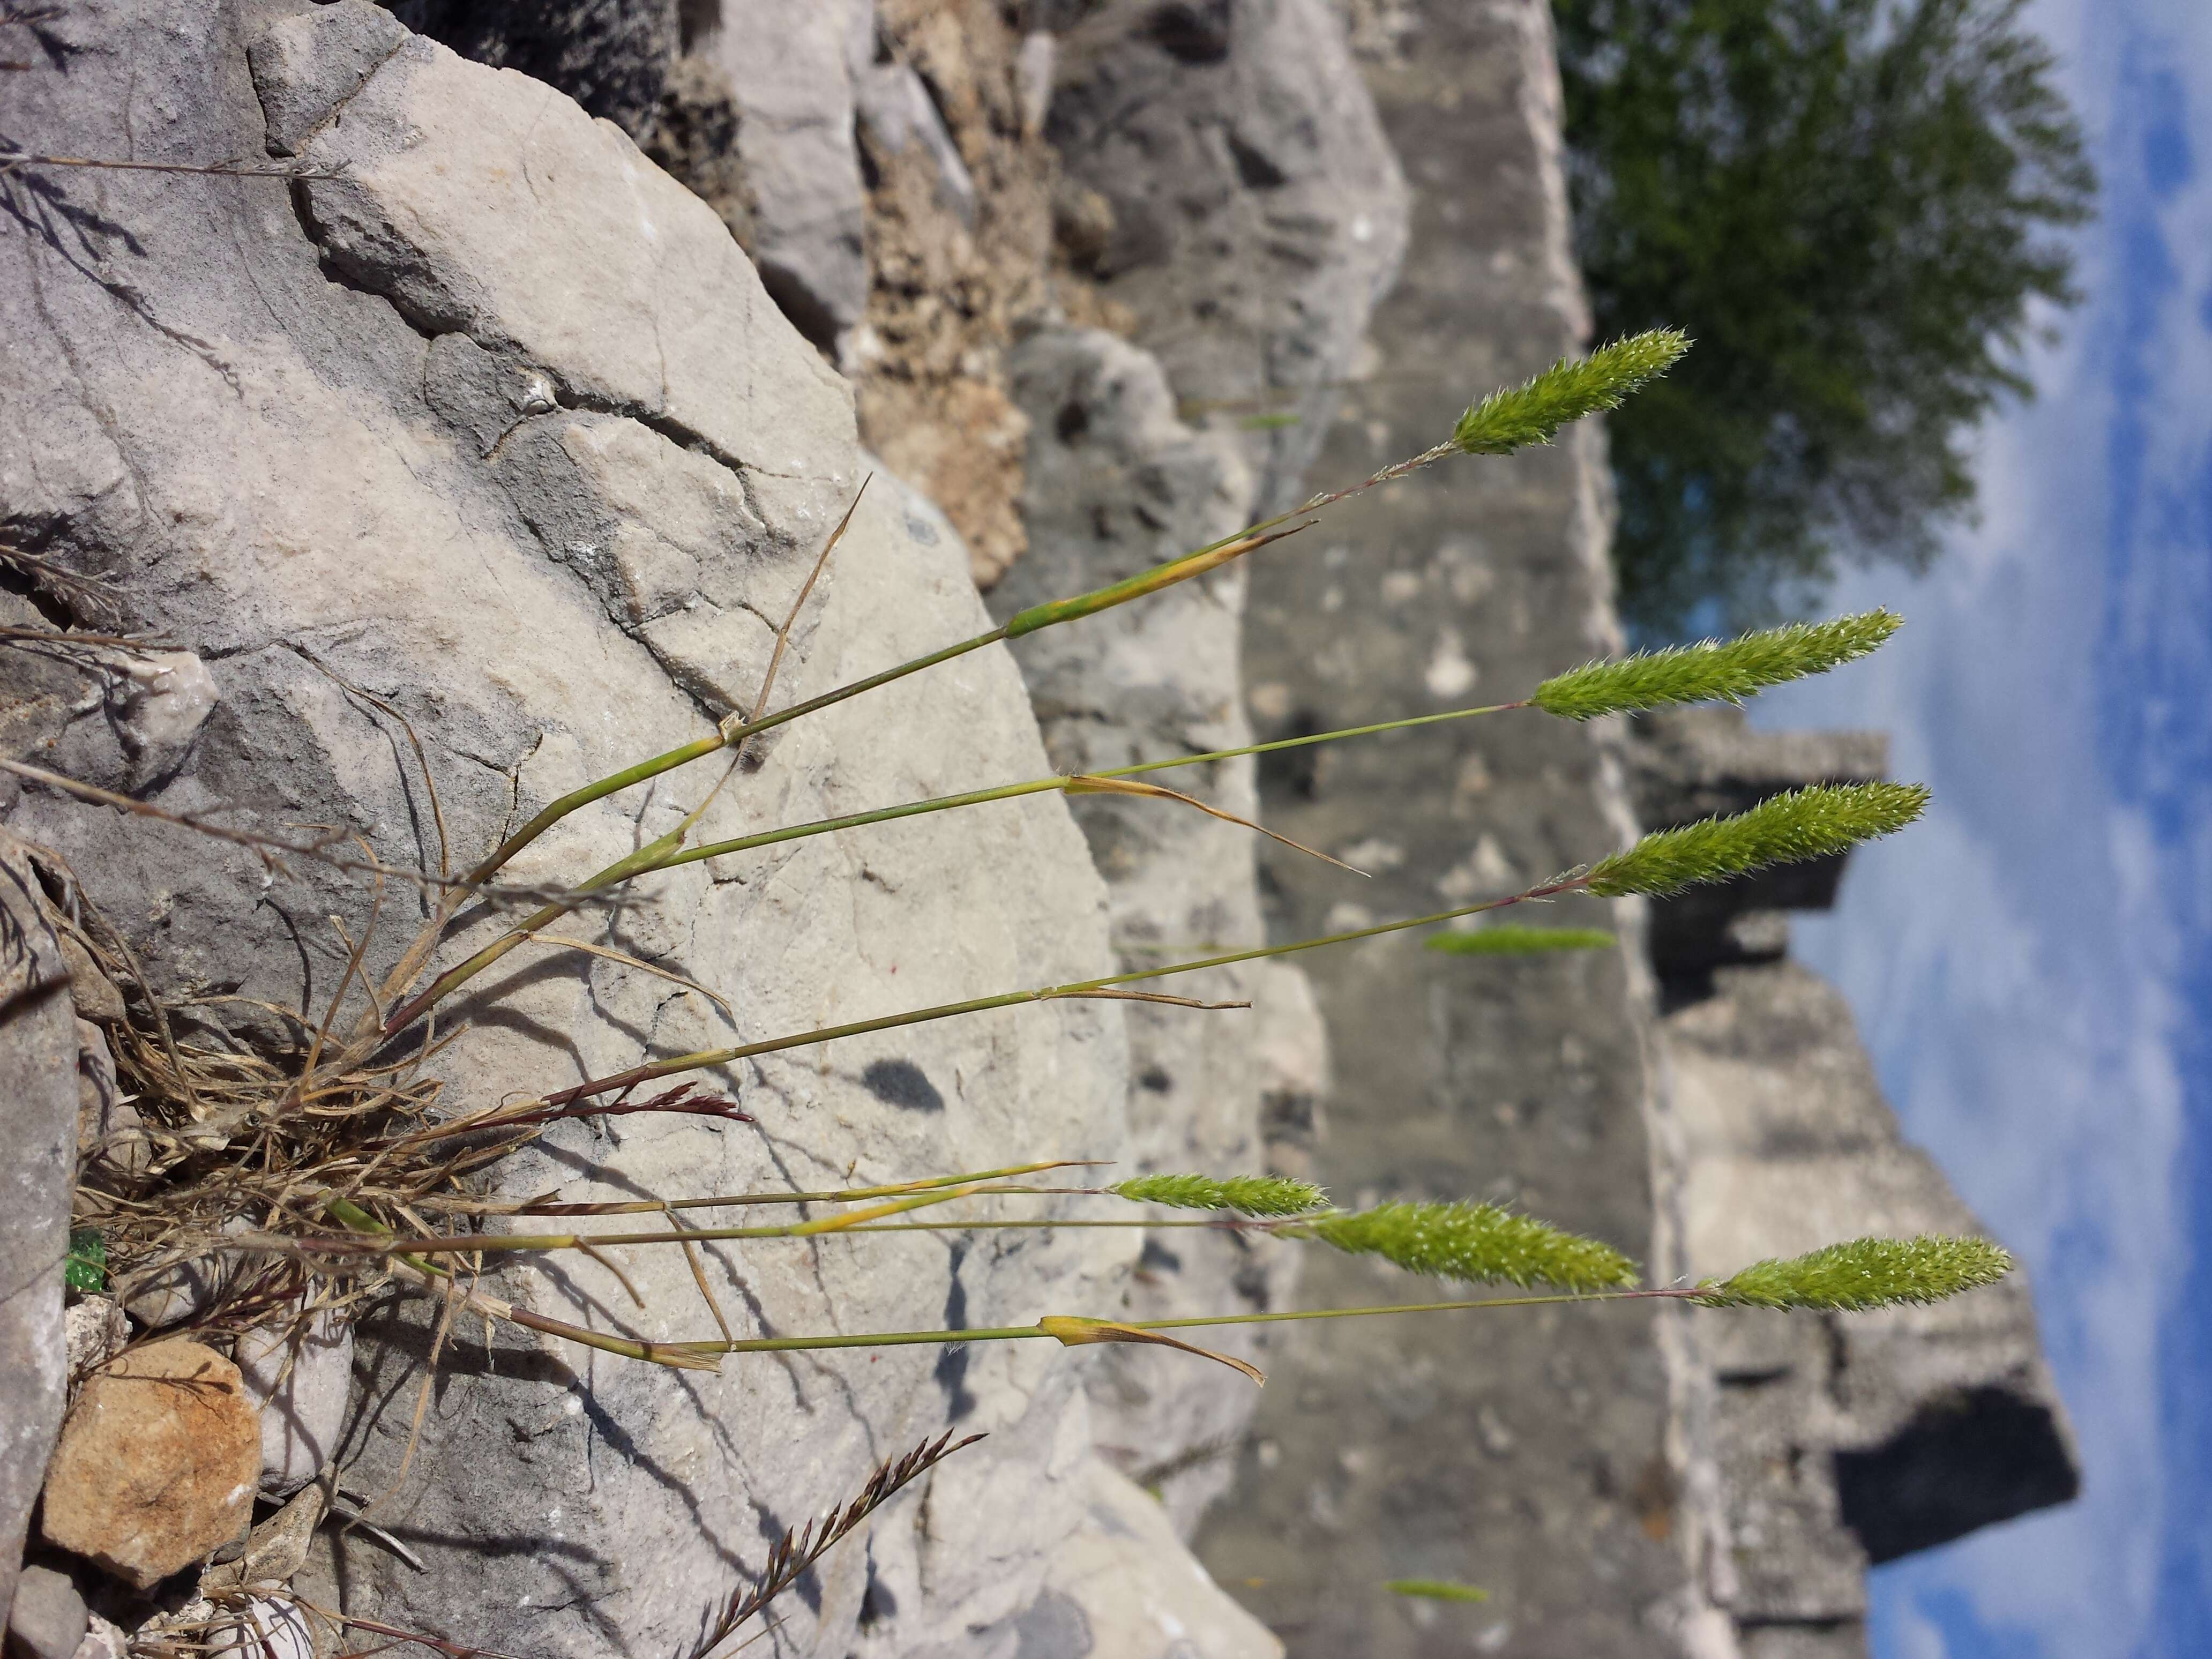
(1533, 413)
(1814, 823)
(1866, 1272)
(1714, 672)
(1261, 1195)
(1474, 1242)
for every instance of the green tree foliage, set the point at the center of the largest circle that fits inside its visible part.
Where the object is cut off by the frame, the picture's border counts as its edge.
(1850, 206)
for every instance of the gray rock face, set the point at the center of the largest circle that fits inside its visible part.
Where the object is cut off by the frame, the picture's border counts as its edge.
(499, 427)
(1814, 1447)
(1841, 1442)
(1106, 1597)
(1117, 484)
(299, 1374)
(38, 1099)
(1525, 1451)
(791, 72)
(611, 56)
(1258, 210)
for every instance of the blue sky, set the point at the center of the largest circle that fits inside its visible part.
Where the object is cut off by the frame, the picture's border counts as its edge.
(2032, 967)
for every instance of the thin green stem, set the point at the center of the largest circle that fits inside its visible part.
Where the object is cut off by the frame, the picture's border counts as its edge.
(680, 1356)
(662, 854)
(731, 731)
(509, 1243)
(697, 749)
(1510, 418)
(1023, 1333)
(731, 1201)
(708, 1058)
(514, 1244)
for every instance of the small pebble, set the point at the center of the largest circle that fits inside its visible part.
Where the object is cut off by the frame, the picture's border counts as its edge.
(48, 1618)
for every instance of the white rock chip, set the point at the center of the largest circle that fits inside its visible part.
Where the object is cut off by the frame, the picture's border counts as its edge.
(264, 1628)
(300, 1375)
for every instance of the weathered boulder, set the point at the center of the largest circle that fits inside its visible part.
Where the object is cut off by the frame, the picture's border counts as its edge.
(487, 425)
(157, 1464)
(1257, 210)
(1117, 484)
(38, 1107)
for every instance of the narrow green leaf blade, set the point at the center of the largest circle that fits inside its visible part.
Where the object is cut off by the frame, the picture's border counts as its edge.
(1435, 1590)
(1514, 940)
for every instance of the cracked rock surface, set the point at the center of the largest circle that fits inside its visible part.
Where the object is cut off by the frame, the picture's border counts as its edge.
(489, 428)
(1255, 210)
(1117, 484)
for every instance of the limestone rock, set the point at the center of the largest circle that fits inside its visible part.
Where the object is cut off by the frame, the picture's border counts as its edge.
(611, 56)
(276, 1548)
(47, 1620)
(896, 109)
(157, 1464)
(103, 1640)
(96, 1331)
(1289, 1049)
(307, 486)
(299, 1374)
(1841, 1441)
(1117, 484)
(791, 72)
(307, 65)
(113, 1147)
(642, 324)
(264, 1627)
(1115, 1591)
(1259, 211)
(179, 1291)
(37, 1109)
(95, 993)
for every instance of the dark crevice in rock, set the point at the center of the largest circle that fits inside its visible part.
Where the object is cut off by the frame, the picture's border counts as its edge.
(1981, 1456)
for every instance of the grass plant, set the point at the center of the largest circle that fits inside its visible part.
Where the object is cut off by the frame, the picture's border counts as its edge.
(336, 1158)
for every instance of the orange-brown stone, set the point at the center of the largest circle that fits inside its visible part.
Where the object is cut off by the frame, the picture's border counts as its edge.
(157, 1463)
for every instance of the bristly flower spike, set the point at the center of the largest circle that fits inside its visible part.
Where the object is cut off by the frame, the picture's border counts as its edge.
(1799, 824)
(1727, 671)
(1521, 416)
(1471, 1242)
(1866, 1272)
(1259, 1196)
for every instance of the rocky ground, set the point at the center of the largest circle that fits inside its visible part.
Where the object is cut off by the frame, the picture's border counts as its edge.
(486, 452)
